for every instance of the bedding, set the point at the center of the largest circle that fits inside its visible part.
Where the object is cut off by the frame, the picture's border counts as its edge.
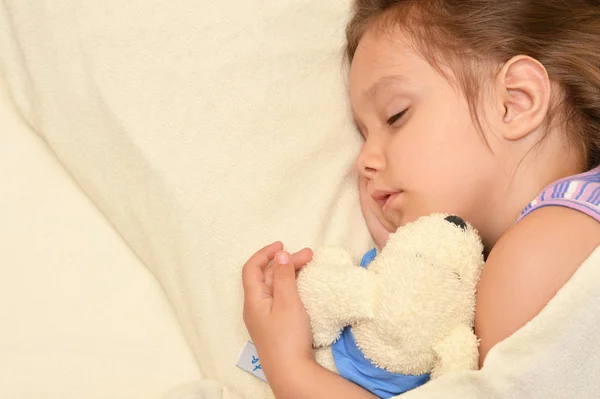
(82, 317)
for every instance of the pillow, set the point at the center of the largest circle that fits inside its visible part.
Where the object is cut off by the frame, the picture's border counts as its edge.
(203, 131)
(81, 315)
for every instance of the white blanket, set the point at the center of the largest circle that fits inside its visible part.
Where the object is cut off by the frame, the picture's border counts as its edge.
(204, 130)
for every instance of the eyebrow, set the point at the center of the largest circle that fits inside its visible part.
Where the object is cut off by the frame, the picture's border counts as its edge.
(384, 83)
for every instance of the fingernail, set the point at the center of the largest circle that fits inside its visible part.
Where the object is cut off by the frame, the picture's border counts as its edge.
(283, 258)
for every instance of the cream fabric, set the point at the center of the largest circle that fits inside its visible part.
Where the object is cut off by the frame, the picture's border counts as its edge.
(81, 317)
(203, 130)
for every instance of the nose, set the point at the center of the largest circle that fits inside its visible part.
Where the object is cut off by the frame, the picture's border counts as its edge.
(370, 160)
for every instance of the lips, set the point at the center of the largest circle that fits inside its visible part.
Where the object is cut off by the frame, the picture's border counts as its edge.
(383, 197)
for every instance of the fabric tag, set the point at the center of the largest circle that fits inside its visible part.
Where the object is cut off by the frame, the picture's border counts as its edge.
(249, 362)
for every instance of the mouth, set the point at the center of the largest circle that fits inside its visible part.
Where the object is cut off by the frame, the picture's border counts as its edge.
(383, 198)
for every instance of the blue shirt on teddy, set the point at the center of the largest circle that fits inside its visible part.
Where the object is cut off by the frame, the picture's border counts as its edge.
(355, 367)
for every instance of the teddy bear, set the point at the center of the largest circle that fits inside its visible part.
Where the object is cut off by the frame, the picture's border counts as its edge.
(404, 318)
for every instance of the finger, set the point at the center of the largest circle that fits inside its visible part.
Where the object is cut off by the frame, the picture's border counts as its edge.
(285, 292)
(252, 272)
(269, 275)
(301, 258)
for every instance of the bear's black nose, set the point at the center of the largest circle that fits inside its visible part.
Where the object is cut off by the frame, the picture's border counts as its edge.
(457, 221)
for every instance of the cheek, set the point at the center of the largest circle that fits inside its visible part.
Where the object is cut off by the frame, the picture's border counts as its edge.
(363, 193)
(451, 140)
(440, 155)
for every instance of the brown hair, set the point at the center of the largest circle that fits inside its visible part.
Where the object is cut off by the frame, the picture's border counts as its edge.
(564, 35)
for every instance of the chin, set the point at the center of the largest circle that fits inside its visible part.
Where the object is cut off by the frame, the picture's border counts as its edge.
(381, 238)
(381, 243)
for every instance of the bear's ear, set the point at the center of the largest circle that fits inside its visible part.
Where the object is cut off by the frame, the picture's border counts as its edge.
(457, 221)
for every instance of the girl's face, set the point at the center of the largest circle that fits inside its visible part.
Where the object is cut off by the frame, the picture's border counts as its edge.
(422, 152)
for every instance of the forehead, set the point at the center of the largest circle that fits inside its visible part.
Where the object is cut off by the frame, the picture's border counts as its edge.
(382, 58)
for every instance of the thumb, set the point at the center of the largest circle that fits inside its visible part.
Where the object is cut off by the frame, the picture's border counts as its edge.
(284, 280)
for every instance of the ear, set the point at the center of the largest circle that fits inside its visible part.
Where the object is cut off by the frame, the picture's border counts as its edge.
(523, 88)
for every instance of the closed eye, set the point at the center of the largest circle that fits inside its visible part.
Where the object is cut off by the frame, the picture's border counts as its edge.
(396, 117)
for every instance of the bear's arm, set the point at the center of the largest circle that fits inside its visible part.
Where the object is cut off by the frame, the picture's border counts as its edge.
(458, 351)
(335, 293)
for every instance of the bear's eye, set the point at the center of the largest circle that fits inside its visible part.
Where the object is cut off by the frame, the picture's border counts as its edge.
(457, 276)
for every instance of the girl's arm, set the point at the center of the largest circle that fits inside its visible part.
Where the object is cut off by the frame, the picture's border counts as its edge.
(312, 381)
(280, 329)
(527, 267)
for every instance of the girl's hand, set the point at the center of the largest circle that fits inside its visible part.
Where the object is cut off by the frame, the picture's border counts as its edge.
(273, 313)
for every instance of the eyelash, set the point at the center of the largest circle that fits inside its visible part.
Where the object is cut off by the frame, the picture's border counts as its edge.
(396, 117)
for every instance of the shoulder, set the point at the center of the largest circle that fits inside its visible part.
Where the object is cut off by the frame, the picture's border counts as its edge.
(528, 266)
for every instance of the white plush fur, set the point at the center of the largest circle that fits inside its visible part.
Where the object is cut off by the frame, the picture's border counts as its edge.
(412, 311)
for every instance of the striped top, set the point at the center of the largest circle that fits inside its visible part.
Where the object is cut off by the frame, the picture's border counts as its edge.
(579, 192)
